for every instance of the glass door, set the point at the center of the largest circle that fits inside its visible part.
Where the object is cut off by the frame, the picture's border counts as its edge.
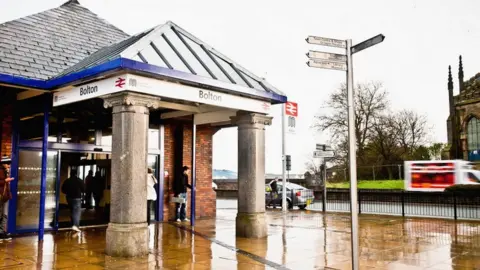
(152, 163)
(28, 190)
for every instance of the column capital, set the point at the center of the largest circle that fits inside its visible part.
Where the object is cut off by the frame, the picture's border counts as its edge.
(249, 119)
(131, 99)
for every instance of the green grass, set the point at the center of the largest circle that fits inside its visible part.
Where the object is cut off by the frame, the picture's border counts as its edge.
(371, 184)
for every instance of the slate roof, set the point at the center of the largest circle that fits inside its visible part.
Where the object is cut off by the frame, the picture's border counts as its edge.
(42, 45)
(70, 39)
(170, 46)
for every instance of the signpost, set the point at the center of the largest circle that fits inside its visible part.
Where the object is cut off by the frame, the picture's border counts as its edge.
(340, 63)
(329, 42)
(327, 56)
(324, 152)
(289, 118)
(316, 63)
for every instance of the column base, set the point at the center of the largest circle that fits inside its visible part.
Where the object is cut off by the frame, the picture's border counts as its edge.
(127, 240)
(251, 225)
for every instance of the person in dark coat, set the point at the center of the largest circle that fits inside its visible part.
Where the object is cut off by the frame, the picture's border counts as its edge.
(274, 192)
(97, 188)
(5, 196)
(180, 191)
(89, 189)
(73, 188)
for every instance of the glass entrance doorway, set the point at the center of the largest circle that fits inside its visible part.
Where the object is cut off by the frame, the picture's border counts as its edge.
(93, 169)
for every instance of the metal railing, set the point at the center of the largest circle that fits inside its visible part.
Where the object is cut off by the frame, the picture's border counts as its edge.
(403, 203)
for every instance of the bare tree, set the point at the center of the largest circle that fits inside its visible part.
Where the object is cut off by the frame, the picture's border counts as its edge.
(384, 143)
(314, 167)
(370, 102)
(412, 130)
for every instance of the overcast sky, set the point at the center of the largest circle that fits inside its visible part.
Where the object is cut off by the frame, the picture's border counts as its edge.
(268, 38)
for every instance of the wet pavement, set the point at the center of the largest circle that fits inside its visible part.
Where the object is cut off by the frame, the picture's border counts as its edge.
(299, 240)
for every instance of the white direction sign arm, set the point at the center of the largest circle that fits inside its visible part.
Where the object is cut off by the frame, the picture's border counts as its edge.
(327, 56)
(317, 63)
(330, 42)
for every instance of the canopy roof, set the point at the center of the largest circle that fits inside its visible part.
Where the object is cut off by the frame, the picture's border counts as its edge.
(62, 55)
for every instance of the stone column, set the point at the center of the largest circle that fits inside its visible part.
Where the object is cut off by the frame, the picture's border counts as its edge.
(250, 221)
(127, 232)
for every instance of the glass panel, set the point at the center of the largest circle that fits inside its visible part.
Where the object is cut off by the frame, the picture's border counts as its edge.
(207, 60)
(28, 201)
(170, 55)
(186, 54)
(152, 57)
(153, 138)
(253, 82)
(231, 72)
(136, 58)
(152, 163)
(107, 140)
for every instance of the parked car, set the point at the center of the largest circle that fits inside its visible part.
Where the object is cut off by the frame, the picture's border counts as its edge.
(214, 186)
(296, 195)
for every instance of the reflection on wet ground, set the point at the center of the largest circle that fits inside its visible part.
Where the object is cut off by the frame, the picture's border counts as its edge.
(299, 240)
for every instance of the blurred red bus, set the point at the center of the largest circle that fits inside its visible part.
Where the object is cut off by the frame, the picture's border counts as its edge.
(436, 175)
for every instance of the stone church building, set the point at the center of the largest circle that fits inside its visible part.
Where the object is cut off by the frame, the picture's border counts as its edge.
(463, 123)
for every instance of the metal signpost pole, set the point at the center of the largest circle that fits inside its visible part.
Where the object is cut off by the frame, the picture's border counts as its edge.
(284, 164)
(352, 157)
(324, 197)
(344, 62)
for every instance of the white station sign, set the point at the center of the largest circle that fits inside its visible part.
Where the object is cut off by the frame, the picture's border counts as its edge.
(161, 89)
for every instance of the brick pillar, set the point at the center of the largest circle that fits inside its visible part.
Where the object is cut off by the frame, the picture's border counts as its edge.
(6, 130)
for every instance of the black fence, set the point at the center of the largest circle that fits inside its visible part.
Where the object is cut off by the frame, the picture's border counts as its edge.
(403, 203)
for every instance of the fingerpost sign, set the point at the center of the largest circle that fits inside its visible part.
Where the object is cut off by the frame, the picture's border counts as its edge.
(328, 60)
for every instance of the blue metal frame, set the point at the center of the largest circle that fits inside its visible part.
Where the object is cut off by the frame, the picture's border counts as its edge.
(71, 147)
(194, 176)
(12, 204)
(135, 66)
(57, 190)
(43, 175)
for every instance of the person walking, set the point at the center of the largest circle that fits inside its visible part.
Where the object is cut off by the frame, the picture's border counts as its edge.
(73, 188)
(5, 196)
(89, 189)
(273, 192)
(180, 191)
(151, 193)
(97, 189)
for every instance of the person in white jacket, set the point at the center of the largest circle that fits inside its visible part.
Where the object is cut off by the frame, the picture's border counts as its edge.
(151, 193)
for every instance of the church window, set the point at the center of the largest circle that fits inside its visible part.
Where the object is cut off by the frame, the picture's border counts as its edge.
(473, 134)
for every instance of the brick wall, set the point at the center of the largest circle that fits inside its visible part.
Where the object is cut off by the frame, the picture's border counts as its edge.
(6, 129)
(205, 196)
(169, 158)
